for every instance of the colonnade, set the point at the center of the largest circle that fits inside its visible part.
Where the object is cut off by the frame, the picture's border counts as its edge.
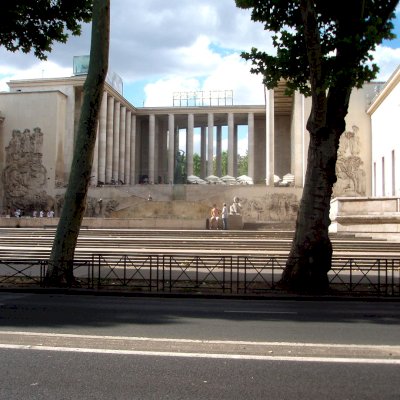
(133, 143)
(159, 157)
(114, 154)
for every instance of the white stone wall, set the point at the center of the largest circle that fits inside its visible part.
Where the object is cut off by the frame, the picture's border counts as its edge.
(68, 89)
(44, 110)
(385, 121)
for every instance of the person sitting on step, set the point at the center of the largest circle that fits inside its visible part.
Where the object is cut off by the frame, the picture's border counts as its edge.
(214, 217)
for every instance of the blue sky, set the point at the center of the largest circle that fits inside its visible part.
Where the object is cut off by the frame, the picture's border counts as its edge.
(159, 47)
(183, 45)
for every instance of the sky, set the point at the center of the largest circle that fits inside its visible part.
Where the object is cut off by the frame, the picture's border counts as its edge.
(159, 47)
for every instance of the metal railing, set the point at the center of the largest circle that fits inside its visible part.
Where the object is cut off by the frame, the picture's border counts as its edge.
(205, 274)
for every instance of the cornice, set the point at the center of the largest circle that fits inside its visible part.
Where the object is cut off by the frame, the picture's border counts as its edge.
(387, 89)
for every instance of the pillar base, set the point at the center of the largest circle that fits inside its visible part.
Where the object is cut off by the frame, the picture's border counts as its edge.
(235, 222)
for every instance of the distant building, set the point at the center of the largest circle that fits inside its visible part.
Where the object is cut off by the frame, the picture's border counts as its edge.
(39, 118)
(385, 127)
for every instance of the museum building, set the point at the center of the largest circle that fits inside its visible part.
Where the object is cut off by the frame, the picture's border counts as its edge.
(137, 147)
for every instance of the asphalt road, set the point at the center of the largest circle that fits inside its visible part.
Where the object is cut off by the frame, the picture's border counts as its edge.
(104, 347)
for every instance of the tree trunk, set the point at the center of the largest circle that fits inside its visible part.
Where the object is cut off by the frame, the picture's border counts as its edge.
(60, 270)
(310, 256)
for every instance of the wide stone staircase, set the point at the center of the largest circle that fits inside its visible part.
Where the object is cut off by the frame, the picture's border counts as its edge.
(197, 260)
(23, 243)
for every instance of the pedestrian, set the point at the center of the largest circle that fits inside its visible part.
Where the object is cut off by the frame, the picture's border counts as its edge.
(224, 215)
(214, 217)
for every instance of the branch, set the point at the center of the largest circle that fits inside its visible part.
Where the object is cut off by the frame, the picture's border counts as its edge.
(314, 56)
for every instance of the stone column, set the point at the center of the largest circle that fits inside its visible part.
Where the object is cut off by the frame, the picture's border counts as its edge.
(157, 150)
(127, 167)
(203, 146)
(2, 160)
(68, 142)
(231, 147)
(109, 139)
(133, 150)
(117, 119)
(219, 151)
(235, 152)
(189, 144)
(95, 163)
(270, 132)
(250, 143)
(171, 147)
(162, 129)
(102, 139)
(297, 140)
(210, 145)
(121, 169)
(152, 133)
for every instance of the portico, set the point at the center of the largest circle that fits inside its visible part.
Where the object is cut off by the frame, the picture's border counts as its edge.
(137, 144)
(155, 145)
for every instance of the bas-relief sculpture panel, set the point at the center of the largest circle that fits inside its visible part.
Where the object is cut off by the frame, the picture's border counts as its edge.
(25, 179)
(351, 177)
(271, 207)
(24, 176)
(95, 207)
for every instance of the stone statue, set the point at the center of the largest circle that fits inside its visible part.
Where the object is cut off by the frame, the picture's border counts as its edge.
(351, 177)
(235, 208)
(24, 176)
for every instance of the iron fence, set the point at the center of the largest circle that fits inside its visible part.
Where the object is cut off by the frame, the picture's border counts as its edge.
(180, 273)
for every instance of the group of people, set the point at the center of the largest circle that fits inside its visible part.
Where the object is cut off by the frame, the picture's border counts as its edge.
(18, 213)
(216, 214)
(41, 214)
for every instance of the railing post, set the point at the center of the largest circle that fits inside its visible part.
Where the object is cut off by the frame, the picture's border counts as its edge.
(351, 275)
(99, 271)
(245, 274)
(273, 272)
(379, 276)
(197, 271)
(124, 280)
(150, 273)
(42, 267)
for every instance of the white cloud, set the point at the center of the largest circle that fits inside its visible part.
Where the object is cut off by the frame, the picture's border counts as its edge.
(42, 69)
(388, 60)
(197, 59)
(160, 93)
(177, 45)
(231, 73)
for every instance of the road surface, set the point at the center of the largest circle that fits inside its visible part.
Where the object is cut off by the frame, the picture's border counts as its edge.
(57, 346)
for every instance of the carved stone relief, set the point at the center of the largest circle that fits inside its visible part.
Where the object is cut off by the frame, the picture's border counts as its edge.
(351, 177)
(95, 207)
(24, 176)
(271, 207)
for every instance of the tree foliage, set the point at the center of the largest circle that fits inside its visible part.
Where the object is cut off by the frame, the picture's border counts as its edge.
(323, 50)
(345, 33)
(196, 164)
(243, 164)
(27, 25)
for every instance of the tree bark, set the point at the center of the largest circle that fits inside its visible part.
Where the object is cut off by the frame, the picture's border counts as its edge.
(60, 270)
(311, 252)
(310, 257)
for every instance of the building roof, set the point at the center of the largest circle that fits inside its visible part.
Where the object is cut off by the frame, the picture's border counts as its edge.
(387, 89)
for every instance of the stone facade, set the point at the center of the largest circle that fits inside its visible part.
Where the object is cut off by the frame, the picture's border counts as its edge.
(136, 152)
(385, 120)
